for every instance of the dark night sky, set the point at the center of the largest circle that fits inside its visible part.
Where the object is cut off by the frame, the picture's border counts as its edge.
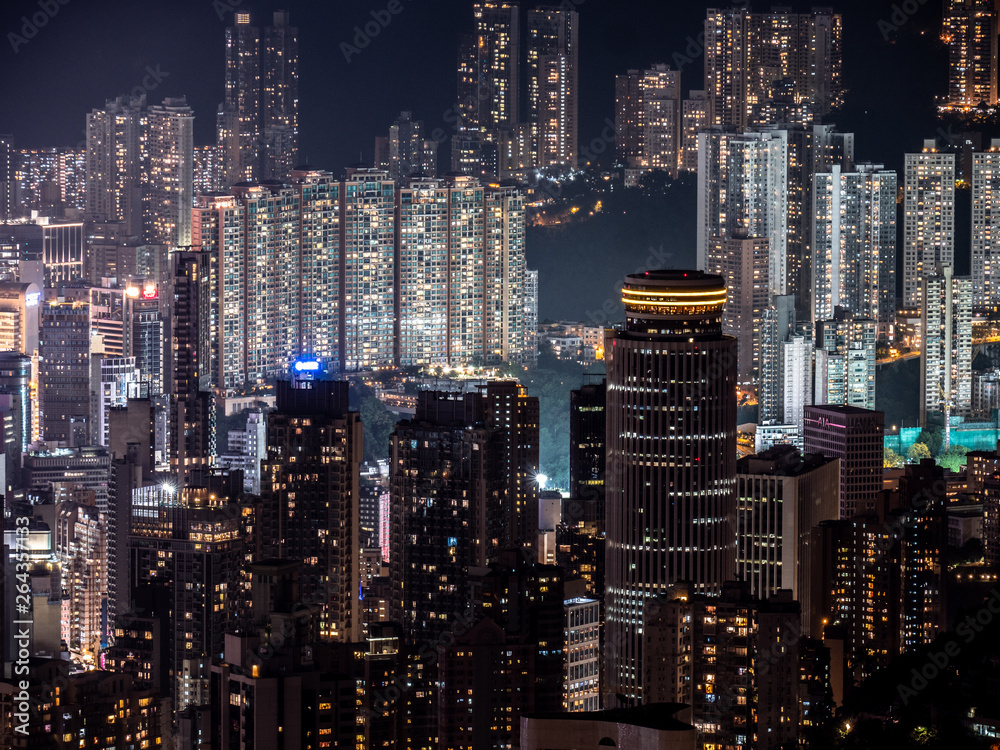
(91, 50)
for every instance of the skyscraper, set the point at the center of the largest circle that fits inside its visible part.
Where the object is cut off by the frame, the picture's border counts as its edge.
(367, 245)
(498, 63)
(969, 28)
(845, 360)
(928, 217)
(743, 262)
(671, 479)
(279, 106)
(628, 133)
(854, 243)
(946, 351)
(553, 84)
(742, 186)
(587, 454)
(986, 227)
(116, 156)
(64, 373)
(660, 118)
(239, 114)
(310, 482)
(170, 143)
(855, 436)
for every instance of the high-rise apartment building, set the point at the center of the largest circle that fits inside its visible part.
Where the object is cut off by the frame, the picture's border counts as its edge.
(408, 152)
(777, 326)
(845, 361)
(497, 65)
(239, 115)
(854, 243)
(187, 548)
(310, 480)
(670, 481)
(694, 119)
(986, 227)
(946, 351)
(507, 334)
(170, 148)
(755, 61)
(367, 245)
(279, 106)
(628, 133)
(553, 85)
(64, 371)
(928, 217)
(969, 28)
(116, 162)
(743, 186)
(49, 178)
(744, 262)
(796, 374)
(855, 436)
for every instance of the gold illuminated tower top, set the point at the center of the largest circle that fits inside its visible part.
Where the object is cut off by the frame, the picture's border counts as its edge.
(682, 304)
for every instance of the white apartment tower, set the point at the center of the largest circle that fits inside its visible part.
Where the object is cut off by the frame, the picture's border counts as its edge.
(986, 227)
(742, 186)
(946, 356)
(928, 217)
(854, 242)
(170, 142)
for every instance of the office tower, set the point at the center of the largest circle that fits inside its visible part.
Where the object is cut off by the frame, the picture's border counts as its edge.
(854, 243)
(946, 353)
(319, 202)
(587, 455)
(119, 379)
(673, 334)
(64, 371)
(744, 262)
(694, 119)
(16, 380)
(187, 547)
(796, 374)
(969, 28)
(855, 436)
(239, 133)
(583, 669)
(445, 481)
(367, 247)
(497, 53)
(81, 547)
(50, 468)
(116, 157)
(777, 325)
(781, 495)
(303, 489)
(272, 291)
(170, 148)
(19, 320)
(553, 85)
(628, 118)
(441, 245)
(845, 360)
(57, 244)
(279, 106)
(504, 292)
(928, 217)
(709, 653)
(986, 227)
(755, 61)
(742, 186)
(192, 407)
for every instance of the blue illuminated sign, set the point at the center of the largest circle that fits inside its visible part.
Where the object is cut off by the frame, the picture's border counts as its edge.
(307, 365)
